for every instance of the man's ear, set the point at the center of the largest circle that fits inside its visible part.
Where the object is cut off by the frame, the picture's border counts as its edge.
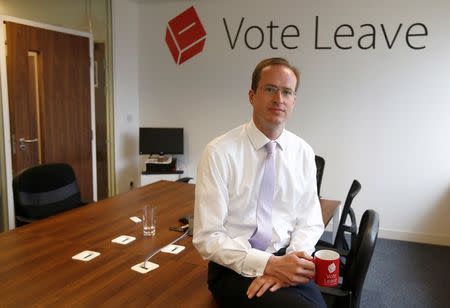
(251, 95)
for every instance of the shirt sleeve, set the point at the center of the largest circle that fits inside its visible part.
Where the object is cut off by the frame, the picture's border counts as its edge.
(309, 225)
(211, 209)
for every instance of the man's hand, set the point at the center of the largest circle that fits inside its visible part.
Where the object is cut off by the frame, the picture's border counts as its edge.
(291, 269)
(263, 283)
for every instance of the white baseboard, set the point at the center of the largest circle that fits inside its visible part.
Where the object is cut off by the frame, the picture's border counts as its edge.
(435, 239)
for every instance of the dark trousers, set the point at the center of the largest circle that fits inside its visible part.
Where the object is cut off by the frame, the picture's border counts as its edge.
(229, 290)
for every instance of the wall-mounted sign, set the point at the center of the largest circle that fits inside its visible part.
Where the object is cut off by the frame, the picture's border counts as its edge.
(186, 35)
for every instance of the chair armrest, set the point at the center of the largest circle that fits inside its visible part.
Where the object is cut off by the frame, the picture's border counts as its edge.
(354, 227)
(352, 219)
(350, 229)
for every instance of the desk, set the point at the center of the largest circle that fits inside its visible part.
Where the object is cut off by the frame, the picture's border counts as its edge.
(330, 211)
(152, 177)
(329, 208)
(36, 268)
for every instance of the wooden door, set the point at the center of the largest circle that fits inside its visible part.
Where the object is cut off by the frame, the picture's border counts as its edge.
(49, 100)
(100, 121)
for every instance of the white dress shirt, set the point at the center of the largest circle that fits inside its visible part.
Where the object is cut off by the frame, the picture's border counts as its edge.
(227, 188)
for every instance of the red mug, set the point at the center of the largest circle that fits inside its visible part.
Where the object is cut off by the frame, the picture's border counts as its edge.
(327, 268)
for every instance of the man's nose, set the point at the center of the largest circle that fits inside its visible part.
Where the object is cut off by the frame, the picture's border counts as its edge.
(278, 97)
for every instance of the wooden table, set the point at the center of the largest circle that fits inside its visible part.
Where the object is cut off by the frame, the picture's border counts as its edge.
(37, 269)
(330, 211)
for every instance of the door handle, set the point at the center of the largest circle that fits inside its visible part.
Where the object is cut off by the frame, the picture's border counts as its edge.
(23, 142)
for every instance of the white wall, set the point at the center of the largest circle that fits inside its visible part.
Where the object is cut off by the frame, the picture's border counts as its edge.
(126, 92)
(379, 115)
(86, 16)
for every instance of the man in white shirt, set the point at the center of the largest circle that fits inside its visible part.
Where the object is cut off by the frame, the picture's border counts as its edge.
(226, 203)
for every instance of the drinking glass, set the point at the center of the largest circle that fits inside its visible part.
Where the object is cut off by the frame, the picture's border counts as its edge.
(149, 220)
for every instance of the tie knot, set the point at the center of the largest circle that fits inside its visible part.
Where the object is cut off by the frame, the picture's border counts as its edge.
(270, 147)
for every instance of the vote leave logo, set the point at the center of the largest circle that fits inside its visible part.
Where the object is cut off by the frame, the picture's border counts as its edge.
(185, 36)
(331, 268)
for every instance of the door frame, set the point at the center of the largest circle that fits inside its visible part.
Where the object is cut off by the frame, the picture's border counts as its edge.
(5, 106)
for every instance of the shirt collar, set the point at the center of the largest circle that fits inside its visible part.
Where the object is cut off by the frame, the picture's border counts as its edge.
(258, 139)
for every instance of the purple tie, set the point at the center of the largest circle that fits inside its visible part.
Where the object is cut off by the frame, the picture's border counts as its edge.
(263, 234)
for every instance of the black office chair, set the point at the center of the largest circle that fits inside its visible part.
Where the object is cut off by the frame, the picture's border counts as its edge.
(45, 190)
(348, 293)
(184, 180)
(320, 166)
(341, 241)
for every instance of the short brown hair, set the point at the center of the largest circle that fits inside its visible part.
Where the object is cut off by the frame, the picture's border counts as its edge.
(256, 76)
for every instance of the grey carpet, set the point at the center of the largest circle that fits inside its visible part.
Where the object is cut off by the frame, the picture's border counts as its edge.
(406, 274)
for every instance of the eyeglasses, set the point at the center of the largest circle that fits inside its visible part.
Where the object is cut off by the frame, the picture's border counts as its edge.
(286, 93)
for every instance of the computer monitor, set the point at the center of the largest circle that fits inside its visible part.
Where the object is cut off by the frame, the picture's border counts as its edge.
(159, 140)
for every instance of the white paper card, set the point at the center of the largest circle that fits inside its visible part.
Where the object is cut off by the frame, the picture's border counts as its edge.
(136, 219)
(175, 249)
(123, 239)
(149, 266)
(86, 255)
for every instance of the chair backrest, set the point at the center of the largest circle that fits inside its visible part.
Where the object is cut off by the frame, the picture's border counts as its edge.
(320, 166)
(340, 241)
(360, 255)
(45, 190)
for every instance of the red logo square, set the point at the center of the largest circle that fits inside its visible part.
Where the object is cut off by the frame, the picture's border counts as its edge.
(185, 36)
